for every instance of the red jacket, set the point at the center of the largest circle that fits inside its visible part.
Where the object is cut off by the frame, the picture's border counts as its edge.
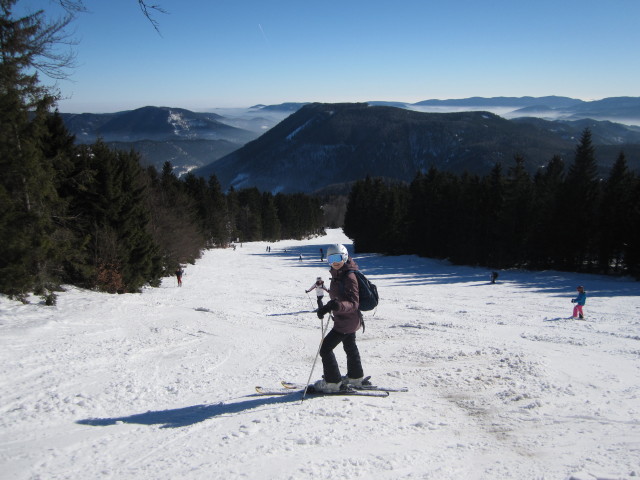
(344, 290)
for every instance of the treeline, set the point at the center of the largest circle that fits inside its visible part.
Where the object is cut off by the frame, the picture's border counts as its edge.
(560, 218)
(91, 216)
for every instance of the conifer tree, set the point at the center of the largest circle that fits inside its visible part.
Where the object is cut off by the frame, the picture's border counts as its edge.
(363, 218)
(29, 201)
(71, 177)
(394, 233)
(195, 188)
(415, 222)
(632, 250)
(269, 218)
(170, 184)
(613, 222)
(580, 203)
(218, 223)
(426, 192)
(516, 214)
(444, 214)
(174, 223)
(249, 215)
(233, 209)
(356, 223)
(547, 220)
(115, 214)
(469, 226)
(493, 202)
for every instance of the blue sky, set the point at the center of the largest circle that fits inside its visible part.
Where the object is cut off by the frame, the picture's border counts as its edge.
(237, 53)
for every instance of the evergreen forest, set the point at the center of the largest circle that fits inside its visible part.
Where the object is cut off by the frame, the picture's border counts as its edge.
(92, 216)
(564, 218)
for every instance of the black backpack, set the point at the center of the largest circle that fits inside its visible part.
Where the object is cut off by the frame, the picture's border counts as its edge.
(368, 292)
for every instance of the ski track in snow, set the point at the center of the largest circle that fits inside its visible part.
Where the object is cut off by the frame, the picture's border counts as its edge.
(159, 385)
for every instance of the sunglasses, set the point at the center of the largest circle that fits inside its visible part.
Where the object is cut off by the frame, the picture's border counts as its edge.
(334, 258)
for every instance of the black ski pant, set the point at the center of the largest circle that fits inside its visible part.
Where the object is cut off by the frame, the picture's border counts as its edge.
(329, 362)
(320, 304)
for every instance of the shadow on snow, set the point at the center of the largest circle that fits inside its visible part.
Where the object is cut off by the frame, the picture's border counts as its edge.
(411, 270)
(182, 417)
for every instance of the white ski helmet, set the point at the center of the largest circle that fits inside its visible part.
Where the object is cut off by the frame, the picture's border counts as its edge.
(337, 249)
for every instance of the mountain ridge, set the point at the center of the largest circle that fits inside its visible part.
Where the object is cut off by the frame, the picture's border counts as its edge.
(327, 144)
(190, 140)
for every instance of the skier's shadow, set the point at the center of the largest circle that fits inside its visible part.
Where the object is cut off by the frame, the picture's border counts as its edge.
(182, 417)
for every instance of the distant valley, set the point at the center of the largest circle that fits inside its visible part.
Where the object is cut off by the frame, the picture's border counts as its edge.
(186, 139)
(293, 146)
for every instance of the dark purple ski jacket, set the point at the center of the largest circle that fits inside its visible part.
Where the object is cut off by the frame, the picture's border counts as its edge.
(344, 290)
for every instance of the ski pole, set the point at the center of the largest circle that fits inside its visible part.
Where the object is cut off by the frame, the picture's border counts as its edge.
(304, 394)
(310, 300)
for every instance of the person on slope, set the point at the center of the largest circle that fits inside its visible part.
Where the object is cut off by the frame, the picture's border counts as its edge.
(580, 300)
(179, 272)
(320, 289)
(347, 320)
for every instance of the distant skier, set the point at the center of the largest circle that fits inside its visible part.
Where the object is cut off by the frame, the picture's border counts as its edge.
(320, 289)
(347, 320)
(494, 277)
(580, 300)
(321, 255)
(179, 272)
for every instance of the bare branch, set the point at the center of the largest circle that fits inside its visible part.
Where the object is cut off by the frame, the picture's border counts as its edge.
(73, 6)
(147, 11)
(77, 6)
(49, 55)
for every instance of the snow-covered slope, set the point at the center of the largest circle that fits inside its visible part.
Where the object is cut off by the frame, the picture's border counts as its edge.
(159, 385)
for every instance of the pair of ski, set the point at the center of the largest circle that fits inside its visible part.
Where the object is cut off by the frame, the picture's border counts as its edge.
(366, 390)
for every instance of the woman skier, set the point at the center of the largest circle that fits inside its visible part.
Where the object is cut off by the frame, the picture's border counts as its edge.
(347, 320)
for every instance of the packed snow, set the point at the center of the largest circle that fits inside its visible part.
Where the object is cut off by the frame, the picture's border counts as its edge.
(160, 385)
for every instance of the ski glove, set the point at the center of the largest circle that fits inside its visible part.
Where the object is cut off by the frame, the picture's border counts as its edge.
(331, 305)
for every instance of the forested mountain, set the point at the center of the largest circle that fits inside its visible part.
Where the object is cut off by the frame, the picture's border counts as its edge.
(152, 123)
(186, 139)
(160, 134)
(565, 217)
(326, 144)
